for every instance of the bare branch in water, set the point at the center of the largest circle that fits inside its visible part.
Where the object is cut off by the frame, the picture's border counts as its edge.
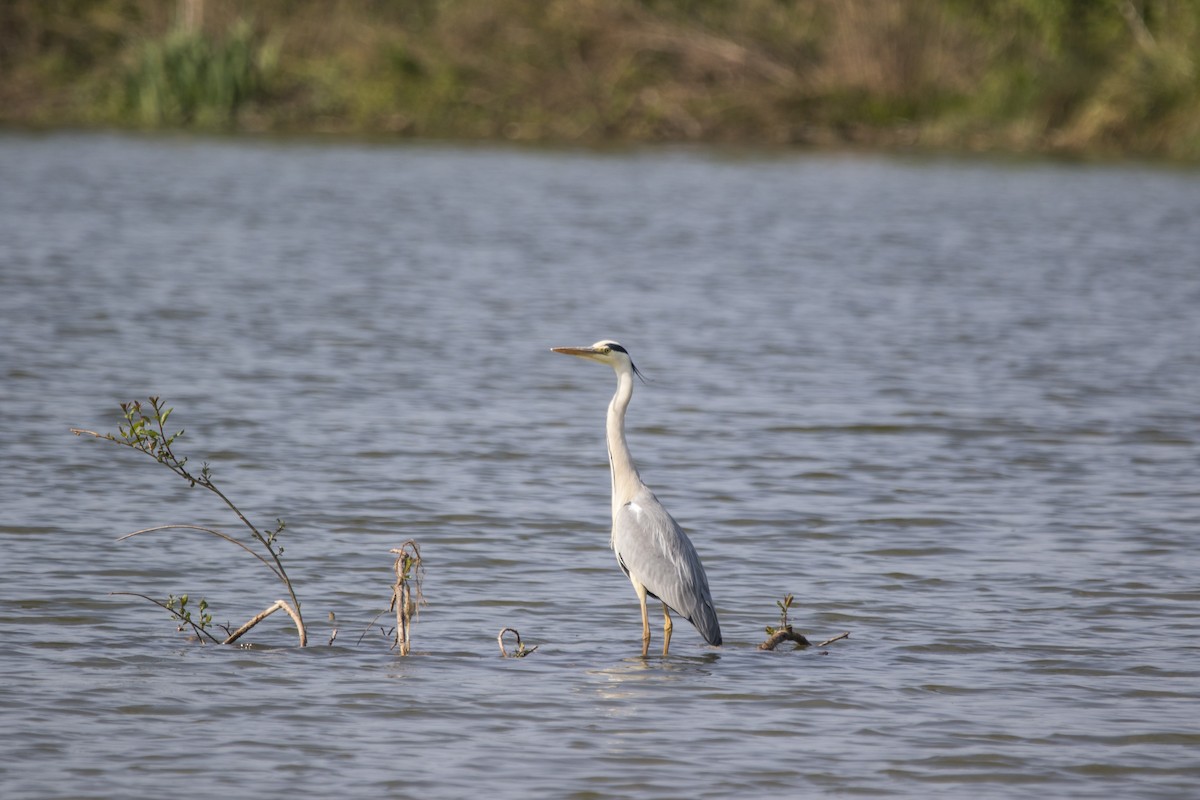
(405, 600)
(784, 635)
(779, 637)
(521, 650)
(845, 635)
(268, 611)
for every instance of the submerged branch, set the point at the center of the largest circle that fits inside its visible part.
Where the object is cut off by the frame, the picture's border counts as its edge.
(788, 635)
(521, 650)
(784, 635)
(268, 611)
(405, 600)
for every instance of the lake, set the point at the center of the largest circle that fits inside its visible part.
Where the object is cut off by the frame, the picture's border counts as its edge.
(950, 405)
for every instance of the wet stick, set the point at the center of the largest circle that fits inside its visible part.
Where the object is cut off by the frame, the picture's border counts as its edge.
(260, 616)
(521, 650)
(404, 600)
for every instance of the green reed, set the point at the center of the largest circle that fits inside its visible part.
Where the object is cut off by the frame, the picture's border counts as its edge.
(193, 78)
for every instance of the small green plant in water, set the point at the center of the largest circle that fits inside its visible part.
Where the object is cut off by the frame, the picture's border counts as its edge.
(784, 605)
(178, 606)
(145, 430)
(784, 632)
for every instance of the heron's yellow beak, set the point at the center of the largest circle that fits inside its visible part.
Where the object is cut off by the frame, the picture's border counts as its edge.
(581, 352)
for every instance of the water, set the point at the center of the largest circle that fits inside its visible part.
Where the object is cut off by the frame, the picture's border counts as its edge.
(951, 406)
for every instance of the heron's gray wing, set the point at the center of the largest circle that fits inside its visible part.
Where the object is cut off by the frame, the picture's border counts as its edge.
(652, 548)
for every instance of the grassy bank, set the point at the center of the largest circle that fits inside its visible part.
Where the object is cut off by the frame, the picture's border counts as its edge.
(1116, 77)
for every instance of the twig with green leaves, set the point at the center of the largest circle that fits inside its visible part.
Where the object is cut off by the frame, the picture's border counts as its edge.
(177, 606)
(146, 432)
(784, 632)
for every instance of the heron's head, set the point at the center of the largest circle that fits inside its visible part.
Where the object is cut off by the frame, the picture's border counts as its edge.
(606, 351)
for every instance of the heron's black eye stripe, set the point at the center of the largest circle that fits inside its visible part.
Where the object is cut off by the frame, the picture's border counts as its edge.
(617, 347)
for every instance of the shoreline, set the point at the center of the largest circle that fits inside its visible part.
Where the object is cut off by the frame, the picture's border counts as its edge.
(1068, 82)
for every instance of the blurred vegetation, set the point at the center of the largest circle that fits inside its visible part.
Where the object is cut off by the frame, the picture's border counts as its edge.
(1079, 76)
(188, 78)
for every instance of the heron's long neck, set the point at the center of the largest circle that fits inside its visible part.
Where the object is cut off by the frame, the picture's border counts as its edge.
(625, 478)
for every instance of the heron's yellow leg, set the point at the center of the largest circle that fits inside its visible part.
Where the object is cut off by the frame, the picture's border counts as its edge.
(641, 593)
(666, 628)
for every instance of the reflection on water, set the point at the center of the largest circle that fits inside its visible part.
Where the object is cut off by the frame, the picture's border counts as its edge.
(656, 671)
(951, 406)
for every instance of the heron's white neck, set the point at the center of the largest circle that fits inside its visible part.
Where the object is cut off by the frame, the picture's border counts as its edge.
(625, 478)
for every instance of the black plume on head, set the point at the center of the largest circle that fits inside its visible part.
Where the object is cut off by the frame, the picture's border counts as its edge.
(611, 345)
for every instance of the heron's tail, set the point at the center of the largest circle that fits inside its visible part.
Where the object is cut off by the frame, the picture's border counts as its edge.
(705, 620)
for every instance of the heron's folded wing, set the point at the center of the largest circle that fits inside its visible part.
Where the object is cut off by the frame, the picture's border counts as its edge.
(653, 549)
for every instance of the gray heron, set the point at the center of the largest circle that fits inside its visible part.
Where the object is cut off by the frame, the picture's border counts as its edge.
(651, 548)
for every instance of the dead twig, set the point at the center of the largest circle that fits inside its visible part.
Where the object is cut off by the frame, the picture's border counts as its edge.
(405, 598)
(845, 635)
(521, 650)
(268, 611)
(788, 635)
(784, 635)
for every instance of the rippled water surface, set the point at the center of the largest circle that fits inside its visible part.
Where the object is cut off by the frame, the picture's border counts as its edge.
(951, 406)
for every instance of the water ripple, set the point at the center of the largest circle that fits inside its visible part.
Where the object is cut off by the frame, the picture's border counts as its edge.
(931, 399)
